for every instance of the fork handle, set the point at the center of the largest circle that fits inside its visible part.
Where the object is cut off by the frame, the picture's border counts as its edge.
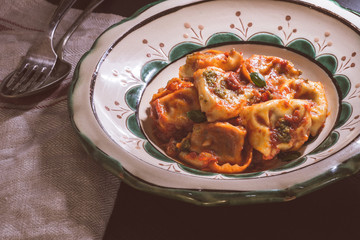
(58, 15)
(62, 42)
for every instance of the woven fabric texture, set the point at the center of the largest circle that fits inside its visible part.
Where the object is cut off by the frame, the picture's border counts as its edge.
(49, 187)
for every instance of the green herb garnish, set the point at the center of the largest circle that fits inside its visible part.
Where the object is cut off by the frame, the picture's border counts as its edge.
(210, 77)
(221, 93)
(283, 131)
(196, 116)
(258, 79)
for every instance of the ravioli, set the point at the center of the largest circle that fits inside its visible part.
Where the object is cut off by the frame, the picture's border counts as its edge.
(227, 114)
(170, 113)
(277, 125)
(275, 70)
(315, 93)
(224, 139)
(216, 146)
(227, 61)
(216, 100)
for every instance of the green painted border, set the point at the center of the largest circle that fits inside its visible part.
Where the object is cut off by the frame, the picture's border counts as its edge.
(206, 197)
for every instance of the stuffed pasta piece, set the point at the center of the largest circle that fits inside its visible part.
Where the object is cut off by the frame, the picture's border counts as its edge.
(216, 98)
(274, 69)
(227, 61)
(216, 147)
(225, 114)
(277, 125)
(170, 107)
(314, 92)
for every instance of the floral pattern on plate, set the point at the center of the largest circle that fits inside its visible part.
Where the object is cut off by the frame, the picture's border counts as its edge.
(137, 63)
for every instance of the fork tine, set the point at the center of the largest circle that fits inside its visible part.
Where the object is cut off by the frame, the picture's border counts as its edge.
(28, 76)
(42, 78)
(34, 79)
(23, 79)
(12, 81)
(3, 84)
(18, 73)
(41, 53)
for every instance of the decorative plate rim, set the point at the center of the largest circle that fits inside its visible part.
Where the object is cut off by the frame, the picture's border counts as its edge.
(207, 197)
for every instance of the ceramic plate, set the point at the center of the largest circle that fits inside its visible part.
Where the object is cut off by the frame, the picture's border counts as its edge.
(115, 80)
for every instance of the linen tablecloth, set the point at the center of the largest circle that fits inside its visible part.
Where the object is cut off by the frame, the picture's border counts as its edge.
(49, 188)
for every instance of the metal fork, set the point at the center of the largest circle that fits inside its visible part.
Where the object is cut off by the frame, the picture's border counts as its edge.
(39, 60)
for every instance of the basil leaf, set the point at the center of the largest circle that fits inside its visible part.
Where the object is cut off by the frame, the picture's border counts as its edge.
(258, 79)
(196, 116)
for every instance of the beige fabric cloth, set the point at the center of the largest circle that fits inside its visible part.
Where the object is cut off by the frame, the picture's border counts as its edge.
(49, 187)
